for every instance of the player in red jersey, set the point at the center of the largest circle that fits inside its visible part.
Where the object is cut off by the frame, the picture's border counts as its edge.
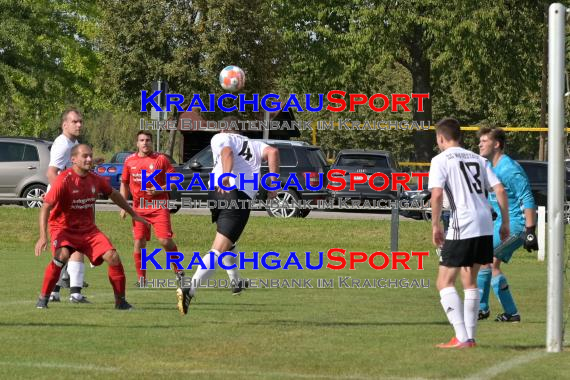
(71, 202)
(159, 216)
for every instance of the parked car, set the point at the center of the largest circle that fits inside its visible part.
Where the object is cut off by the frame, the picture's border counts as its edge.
(366, 162)
(113, 169)
(295, 157)
(537, 172)
(23, 166)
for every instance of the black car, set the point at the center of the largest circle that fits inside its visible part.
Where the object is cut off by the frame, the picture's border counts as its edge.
(537, 172)
(295, 157)
(366, 162)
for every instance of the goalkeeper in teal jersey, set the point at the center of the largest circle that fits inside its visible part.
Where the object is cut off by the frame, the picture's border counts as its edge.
(522, 216)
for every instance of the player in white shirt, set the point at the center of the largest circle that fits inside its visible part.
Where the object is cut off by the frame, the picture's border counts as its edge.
(465, 177)
(60, 159)
(237, 154)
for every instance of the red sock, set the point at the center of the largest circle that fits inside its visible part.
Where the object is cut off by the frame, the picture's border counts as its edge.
(174, 266)
(51, 276)
(138, 261)
(117, 279)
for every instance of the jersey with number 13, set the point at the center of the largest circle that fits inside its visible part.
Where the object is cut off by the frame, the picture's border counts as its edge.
(247, 157)
(465, 178)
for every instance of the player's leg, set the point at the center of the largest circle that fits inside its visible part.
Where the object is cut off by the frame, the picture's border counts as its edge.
(160, 220)
(137, 256)
(503, 253)
(52, 273)
(451, 303)
(98, 248)
(471, 302)
(76, 270)
(232, 229)
(117, 278)
(484, 285)
(503, 292)
(141, 234)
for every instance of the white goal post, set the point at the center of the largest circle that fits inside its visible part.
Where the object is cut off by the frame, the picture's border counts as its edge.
(556, 175)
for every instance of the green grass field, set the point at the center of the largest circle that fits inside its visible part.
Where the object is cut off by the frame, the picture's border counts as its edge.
(264, 333)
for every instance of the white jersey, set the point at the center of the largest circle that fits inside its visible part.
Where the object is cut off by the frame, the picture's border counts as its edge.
(60, 153)
(247, 155)
(465, 178)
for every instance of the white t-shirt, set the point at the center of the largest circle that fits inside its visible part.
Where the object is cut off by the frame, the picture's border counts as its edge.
(464, 176)
(60, 153)
(247, 155)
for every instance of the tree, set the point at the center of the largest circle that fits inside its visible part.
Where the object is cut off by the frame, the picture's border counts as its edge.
(478, 60)
(46, 62)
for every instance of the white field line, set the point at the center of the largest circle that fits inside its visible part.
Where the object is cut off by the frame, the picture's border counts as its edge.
(498, 369)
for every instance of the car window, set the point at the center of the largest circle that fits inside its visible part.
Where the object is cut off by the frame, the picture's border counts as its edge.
(31, 153)
(536, 173)
(119, 158)
(363, 161)
(287, 156)
(204, 157)
(317, 158)
(10, 152)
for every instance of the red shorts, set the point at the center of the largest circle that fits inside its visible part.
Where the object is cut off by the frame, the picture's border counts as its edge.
(93, 244)
(160, 220)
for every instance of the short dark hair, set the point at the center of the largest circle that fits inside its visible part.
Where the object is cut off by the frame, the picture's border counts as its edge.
(449, 128)
(66, 112)
(497, 134)
(75, 149)
(142, 132)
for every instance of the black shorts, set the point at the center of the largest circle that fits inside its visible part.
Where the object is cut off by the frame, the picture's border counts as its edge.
(466, 252)
(230, 221)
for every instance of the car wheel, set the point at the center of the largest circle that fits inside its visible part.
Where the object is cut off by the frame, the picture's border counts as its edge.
(304, 212)
(34, 191)
(286, 207)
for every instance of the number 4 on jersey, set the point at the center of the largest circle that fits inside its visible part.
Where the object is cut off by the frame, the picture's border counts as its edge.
(245, 151)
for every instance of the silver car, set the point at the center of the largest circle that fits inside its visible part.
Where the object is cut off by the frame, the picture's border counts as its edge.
(23, 166)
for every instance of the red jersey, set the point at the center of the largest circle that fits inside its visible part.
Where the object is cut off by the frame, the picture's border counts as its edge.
(73, 200)
(132, 175)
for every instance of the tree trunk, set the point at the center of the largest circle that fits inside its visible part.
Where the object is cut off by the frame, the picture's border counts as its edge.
(420, 68)
(172, 138)
(543, 92)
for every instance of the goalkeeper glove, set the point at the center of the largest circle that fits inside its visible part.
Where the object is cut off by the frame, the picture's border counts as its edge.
(530, 241)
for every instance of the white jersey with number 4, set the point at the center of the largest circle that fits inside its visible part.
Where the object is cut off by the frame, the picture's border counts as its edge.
(247, 155)
(464, 177)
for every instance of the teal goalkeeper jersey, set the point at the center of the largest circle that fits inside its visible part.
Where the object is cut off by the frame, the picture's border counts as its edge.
(515, 181)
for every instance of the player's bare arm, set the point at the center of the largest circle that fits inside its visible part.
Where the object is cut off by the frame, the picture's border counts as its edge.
(436, 206)
(271, 155)
(502, 199)
(227, 157)
(118, 199)
(41, 244)
(51, 174)
(124, 190)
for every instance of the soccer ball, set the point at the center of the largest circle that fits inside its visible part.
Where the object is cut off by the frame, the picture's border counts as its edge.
(232, 78)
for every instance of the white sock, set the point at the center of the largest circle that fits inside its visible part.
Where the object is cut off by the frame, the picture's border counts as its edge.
(453, 308)
(203, 274)
(471, 311)
(76, 270)
(229, 260)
